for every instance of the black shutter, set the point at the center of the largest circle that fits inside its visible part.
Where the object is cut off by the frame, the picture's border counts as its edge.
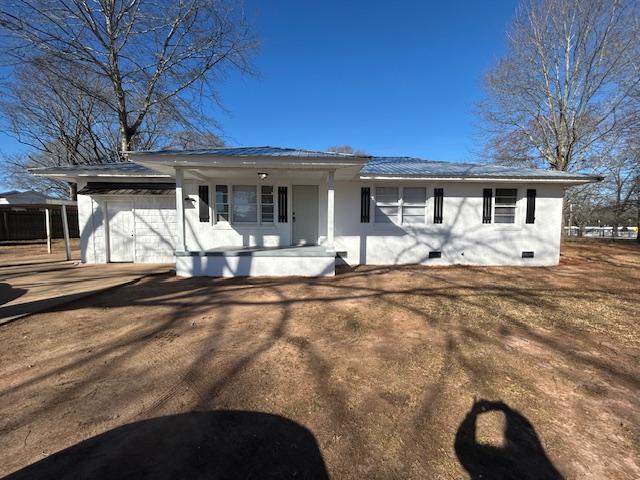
(531, 205)
(365, 204)
(282, 205)
(438, 198)
(203, 202)
(487, 195)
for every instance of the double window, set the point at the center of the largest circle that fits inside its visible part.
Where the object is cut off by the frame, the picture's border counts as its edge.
(399, 205)
(244, 203)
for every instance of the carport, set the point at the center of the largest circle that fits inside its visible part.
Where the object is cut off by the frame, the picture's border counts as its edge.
(15, 200)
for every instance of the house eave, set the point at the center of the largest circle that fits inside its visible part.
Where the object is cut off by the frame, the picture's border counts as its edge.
(483, 179)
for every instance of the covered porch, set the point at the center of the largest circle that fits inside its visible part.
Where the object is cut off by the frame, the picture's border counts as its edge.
(255, 216)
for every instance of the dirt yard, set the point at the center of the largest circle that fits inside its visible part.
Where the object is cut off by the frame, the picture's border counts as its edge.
(371, 374)
(35, 251)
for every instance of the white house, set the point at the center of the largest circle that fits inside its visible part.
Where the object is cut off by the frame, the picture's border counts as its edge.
(280, 211)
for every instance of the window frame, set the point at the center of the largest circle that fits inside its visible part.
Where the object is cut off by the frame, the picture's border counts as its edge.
(516, 214)
(398, 218)
(261, 204)
(225, 224)
(398, 205)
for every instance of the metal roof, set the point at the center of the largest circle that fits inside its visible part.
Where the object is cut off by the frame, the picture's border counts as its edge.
(15, 198)
(248, 152)
(417, 167)
(119, 168)
(408, 167)
(128, 188)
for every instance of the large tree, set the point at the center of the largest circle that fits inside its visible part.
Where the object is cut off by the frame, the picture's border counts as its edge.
(147, 61)
(566, 83)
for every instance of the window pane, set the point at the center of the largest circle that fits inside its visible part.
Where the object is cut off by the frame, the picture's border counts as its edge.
(386, 214)
(221, 194)
(267, 213)
(505, 219)
(245, 204)
(413, 219)
(414, 195)
(387, 194)
(505, 205)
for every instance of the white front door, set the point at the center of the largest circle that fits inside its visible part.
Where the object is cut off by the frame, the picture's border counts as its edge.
(121, 234)
(305, 214)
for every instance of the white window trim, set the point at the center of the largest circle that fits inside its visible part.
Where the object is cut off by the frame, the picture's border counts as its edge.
(398, 219)
(516, 212)
(374, 196)
(228, 225)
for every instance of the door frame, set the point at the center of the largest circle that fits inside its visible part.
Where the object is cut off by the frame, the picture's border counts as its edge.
(292, 207)
(108, 201)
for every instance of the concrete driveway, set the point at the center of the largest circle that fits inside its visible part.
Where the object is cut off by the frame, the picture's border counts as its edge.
(33, 287)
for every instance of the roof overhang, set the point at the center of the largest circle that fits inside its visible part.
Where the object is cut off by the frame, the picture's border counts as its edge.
(486, 179)
(167, 164)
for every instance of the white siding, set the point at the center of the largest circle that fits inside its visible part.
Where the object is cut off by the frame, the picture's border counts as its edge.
(462, 237)
(155, 227)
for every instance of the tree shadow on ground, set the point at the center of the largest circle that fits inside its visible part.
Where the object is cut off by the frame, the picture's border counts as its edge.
(521, 455)
(212, 445)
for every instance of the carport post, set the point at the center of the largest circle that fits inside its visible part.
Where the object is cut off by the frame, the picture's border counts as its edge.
(65, 229)
(180, 243)
(47, 223)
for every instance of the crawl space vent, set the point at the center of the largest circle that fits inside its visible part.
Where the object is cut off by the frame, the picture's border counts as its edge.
(527, 254)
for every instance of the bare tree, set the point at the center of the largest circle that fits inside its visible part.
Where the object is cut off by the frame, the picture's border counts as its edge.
(346, 149)
(566, 83)
(149, 59)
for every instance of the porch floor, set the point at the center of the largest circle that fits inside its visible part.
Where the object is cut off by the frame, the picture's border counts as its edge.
(285, 251)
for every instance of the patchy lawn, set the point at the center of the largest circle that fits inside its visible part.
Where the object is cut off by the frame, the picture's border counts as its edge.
(372, 374)
(35, 251)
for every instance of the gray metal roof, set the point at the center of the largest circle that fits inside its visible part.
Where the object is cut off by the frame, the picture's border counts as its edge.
(247, 152)
(120, 168)
(375, 166)
(128, 188)
(417, 167)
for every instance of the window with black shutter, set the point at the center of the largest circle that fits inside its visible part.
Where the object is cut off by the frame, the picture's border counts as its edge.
(365, 204)
(531, 205)
(487, 195)
(203, 202)
(438, 200)
(282, 205)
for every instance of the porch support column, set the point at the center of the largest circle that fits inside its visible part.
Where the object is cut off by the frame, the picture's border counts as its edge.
(330, 211)
(65, 231)
(47, 224)
(180, 241)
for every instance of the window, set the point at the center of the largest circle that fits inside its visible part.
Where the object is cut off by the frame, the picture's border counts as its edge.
(413, 205)
(203, 202)
(222, 203)
(245, 204)
(505, 205)
(266, 204)
(387, 199)
(438, 204)
(531, 206)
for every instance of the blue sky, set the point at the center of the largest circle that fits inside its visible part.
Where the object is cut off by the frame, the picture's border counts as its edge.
(391, 78)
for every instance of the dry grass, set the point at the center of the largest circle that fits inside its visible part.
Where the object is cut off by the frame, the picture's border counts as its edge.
(381, 365)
